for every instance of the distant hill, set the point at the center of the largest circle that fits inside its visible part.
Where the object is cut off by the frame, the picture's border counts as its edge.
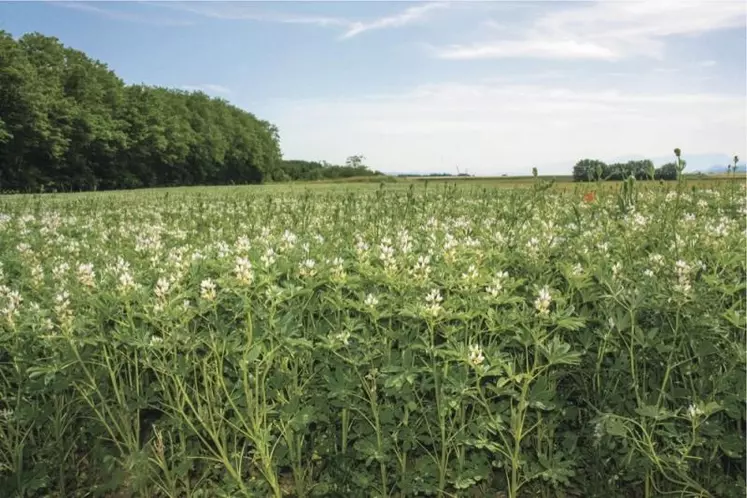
(722, 168)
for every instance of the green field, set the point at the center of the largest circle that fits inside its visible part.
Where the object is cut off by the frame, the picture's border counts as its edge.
(497, 337)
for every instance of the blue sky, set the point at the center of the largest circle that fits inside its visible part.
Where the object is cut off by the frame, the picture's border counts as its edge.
(491, 87)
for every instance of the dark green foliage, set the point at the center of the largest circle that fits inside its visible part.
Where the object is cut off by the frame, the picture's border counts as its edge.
(69, 123)
(667, 172)
(589, 170)
(313, 170)
(586, 170)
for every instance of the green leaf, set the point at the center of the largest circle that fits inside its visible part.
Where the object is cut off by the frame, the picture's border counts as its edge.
(651, 411)
(615, 427)
(541, 395)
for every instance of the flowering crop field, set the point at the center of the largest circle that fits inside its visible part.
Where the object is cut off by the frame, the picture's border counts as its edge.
(374, 342)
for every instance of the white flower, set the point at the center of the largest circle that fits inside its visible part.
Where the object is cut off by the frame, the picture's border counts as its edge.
(23, 248)
(639, 220)
(496, 287)
(434, 296)
(656, 259)
(361, 247)
(422, 267)
(243, 244)
(126, 282)
(470, 274)
(386, 253)
(62, 308)
(433, 303)
(475, 355)
(343, 337)
(532, 246)
(162, 288)
(681, 267)
(598, 430)
(338, 268)
(694, 412)
(542, 303)
(268, 258)
(86, 275)
(306, 268)
(371, 301)
(616, 268)
(289, 237)
(207, 290)
(59, 271)
(243, 271)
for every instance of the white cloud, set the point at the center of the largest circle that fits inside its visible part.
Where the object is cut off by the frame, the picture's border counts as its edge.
(208, 88)
(249, 11)
(407, 16)
(496, 128)
(607, 30)
(550, 49)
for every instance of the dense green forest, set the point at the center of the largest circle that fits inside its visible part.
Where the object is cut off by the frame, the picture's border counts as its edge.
(68, 122)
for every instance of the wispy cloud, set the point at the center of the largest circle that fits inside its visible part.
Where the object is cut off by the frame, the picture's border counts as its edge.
(119, 15)
(536, 47)
(208, 88)
(407, 16)
(606, 29)
(249, 11)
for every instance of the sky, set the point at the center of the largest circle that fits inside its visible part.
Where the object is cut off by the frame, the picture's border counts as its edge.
(486, 87)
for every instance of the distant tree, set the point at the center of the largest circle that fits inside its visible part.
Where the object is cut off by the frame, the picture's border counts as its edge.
(592, 169)
(316, 170)
(355, 161)
(586, 170)
(666, 172)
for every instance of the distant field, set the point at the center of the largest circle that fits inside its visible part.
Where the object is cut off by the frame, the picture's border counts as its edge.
(563, 183)
(505, 181)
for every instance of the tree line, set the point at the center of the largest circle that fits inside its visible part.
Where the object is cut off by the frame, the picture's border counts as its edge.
(590, 170)
(297, 169)
(68, 122)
